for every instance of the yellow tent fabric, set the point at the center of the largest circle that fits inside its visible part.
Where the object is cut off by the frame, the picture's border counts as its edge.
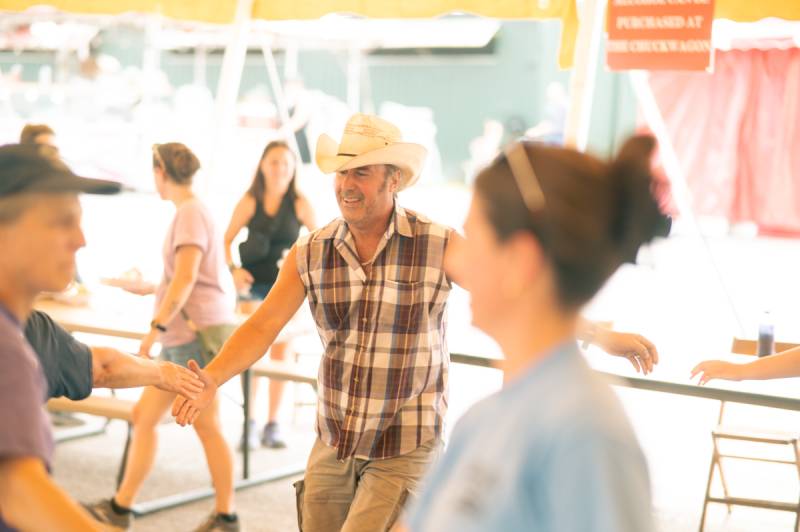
(753, 10)
(502, 9)
(222, 11)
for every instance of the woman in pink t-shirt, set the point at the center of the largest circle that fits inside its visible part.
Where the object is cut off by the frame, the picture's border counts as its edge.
(196, 284)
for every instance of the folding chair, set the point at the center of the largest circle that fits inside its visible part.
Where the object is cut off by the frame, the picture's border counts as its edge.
(721, 432)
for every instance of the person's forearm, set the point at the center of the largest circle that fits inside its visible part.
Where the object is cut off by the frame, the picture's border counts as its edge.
(245, 346)
(586, 330)
(30, 500)
(228, 253)
(780, 365)
(254, 337)
(115, 369)
(178, 292)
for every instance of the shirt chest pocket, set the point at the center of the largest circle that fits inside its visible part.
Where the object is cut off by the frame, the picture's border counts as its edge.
(399, 306)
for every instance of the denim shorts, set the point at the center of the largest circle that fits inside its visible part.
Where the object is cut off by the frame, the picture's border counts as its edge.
(181, 354)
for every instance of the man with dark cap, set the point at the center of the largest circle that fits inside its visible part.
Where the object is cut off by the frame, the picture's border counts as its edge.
(72, 368)
(39, 234)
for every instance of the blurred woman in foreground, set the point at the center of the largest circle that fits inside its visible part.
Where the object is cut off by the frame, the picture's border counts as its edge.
(553, 450)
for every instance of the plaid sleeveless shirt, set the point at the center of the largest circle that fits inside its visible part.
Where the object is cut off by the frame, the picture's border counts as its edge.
(383, 375)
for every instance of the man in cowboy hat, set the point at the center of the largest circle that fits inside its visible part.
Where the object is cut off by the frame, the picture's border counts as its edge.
(376, 286)
(377, 289)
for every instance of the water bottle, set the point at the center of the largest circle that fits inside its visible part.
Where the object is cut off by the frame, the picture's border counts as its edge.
(766, 336)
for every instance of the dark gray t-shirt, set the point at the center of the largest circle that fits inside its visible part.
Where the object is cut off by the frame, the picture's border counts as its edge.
(66, 362)
(23, 391)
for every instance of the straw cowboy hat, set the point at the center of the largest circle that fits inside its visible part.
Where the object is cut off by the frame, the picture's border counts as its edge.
(370, 140)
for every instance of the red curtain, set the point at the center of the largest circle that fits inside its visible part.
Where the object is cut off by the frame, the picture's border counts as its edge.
(737, 135)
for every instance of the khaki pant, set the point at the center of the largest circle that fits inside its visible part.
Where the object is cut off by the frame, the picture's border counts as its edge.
(356, 495)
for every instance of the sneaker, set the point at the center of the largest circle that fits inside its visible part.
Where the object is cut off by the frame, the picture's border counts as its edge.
(271, 437)
(252, 437)
(103, 512)
(215, 523)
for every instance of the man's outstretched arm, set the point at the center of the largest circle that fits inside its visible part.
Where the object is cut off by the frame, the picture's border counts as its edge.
(112, 368)
(250, 341)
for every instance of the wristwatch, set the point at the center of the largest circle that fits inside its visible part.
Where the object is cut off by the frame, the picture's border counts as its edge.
(155, 325)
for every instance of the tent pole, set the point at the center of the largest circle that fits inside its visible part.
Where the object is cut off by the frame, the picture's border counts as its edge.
(354, 78)
(151, 57)
(672, 166)
(277, 91)
(655, 121)
(233, 63)
(230, 79)
(581, 86)
(290, 62)
(200, 65)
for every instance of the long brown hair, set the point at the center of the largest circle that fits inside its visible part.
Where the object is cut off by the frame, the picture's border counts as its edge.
(594, 215)
(259, 185)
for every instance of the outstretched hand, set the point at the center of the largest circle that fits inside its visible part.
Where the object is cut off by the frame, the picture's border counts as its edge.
(716, 369)
(186, 410)
(140, 289)
(177, 379)
(639, 351)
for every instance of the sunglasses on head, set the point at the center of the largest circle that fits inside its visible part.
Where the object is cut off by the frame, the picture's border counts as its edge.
(524, 176)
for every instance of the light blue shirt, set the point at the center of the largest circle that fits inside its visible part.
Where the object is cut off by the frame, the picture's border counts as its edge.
(553, 451)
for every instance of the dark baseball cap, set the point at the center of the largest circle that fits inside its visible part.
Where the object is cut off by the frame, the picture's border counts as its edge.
(37, 168)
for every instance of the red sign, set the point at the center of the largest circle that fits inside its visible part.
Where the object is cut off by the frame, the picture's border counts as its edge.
(659, 34)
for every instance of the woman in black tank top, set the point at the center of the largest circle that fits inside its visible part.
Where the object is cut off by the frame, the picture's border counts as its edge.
(273, 212)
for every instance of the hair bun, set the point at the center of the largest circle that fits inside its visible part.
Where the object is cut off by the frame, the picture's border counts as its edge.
(184, 162)
(637, 217)
(181, 163)
(637, 149)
